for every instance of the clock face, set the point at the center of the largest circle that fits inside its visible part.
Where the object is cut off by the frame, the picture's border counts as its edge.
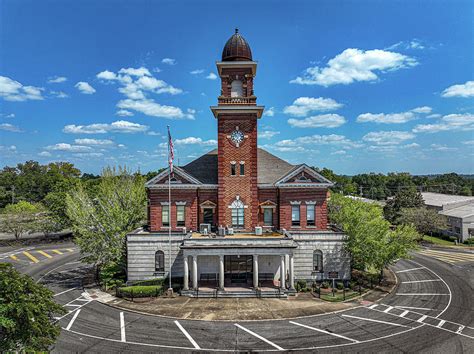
(237, 137)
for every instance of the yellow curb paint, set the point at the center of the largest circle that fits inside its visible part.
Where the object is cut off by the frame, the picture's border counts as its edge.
(30, 256)
(15, 258)
(58, 252)
(44, 254)
(70, 249)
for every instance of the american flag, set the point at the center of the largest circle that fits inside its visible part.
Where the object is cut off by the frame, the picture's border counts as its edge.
(170, 150)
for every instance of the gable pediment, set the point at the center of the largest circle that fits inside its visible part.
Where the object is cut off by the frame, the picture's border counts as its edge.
(178, 177)
(305, 176)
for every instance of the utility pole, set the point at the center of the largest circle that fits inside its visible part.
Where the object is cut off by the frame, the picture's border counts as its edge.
(360, 190)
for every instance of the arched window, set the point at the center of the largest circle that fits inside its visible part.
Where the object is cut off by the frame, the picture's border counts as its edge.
(159, 261)
(236, 89)
(317, 261)
(237, 213)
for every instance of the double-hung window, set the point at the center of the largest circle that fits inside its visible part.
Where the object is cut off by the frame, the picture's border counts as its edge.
(165, 215)
(180, 215)
(310, 215)
(268, 217)
(295, 215)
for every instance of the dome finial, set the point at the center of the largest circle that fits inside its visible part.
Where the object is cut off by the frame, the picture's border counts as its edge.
(236, 30)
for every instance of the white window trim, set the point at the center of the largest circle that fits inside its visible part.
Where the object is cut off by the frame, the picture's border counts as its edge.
(180, 203)
(310, 202)
(296, 202)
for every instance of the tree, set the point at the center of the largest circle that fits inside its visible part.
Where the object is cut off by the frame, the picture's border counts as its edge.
(426, 221)
(370, 239)
(26, 313)
(19, 218)
(405, 198)
(101, 223)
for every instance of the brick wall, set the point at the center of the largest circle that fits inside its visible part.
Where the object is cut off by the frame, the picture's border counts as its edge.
(244, 74)
(302, 195)
(263, 196)
(243, 186)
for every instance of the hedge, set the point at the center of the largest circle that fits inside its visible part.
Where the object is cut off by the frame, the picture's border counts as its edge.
(137, 291)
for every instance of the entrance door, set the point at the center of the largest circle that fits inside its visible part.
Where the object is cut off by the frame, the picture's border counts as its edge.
(238, 270)
(208, 216)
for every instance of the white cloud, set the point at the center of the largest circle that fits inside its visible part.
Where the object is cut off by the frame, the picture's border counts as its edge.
(85, 88)
(270, 112)
(59, 94)
(68, 147)
(56, 79)
(435, 115)
(314, 140)
(154, 109)
(89, 154)
(107, 75)
(468, 142)
(439, 147)
(391, 118)
(388, 137)
(168, 61)
(423, 109)
(120, 126)
(304, 105)
(11, 148)
(44, 154)
(354, 65)
(124, 113)
(323, 120)
(139, 72)
(153, 133)
(195, 141)
(461, 90)
(413, 44)
(7, 115)
(267, 134)
(196, 72)
(12, 90)
(450, 122)
(339, 152)
(211, 76)
(94, 142)
(10, 128)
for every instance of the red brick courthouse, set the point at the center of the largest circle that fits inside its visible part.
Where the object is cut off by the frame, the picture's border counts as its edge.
(243, 221)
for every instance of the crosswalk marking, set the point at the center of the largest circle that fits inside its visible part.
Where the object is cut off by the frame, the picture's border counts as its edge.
(57, 252)
(448, 257)
(44, 254)
(30, 256)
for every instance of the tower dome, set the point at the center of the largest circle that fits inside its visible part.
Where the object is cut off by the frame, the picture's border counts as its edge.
(236, 49)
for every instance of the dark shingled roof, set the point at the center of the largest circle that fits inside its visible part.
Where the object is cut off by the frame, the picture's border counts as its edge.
(270, 168)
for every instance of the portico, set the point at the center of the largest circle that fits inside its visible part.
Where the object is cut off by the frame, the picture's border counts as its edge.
(245, 263)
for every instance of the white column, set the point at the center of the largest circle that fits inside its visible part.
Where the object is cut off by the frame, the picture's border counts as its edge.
(255, 271)
(221, 272)
(186, 274)
(195, 272)
(282, 272)
(292, 272)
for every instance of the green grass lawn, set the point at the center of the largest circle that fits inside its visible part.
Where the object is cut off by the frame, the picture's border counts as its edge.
(438, 241)
(339, 296)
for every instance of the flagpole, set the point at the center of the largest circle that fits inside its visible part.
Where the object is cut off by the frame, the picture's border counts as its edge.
(169, 205)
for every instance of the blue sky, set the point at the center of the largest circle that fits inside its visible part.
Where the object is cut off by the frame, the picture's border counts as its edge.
(355, 86)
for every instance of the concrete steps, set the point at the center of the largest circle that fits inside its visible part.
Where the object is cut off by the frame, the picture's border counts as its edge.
(235, 294)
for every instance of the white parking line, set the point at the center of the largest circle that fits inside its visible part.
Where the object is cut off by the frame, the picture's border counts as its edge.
(326, 332)
(415, 308)
(72, 320)
(421, 319)
(388, 309)
(409, 270)
(422, 294)
(377, 321)
(122, 328)
(460, 329)
(419, 281)
(373, 306)
(404, 313)
(258, 336)
(65, 291)
(193, 342)
(441, 323)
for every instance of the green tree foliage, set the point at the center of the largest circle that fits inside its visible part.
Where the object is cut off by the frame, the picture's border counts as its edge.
(26, 313)
(101, 222)
(19, 218)
(343, 184)
(371, 241)
(426, 221)
(405, 198)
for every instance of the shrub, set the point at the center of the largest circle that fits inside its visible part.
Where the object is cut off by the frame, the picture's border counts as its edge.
(325, 285)
(340, 285)
(301, 285)
(140, 291)
(469, 241)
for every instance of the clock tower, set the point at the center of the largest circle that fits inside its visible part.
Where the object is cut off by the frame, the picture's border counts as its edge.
(237, 113)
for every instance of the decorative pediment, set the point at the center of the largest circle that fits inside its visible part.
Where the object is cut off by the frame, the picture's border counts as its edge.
(179, 177)
(208, 205)
(303, 175)
(268, 204)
